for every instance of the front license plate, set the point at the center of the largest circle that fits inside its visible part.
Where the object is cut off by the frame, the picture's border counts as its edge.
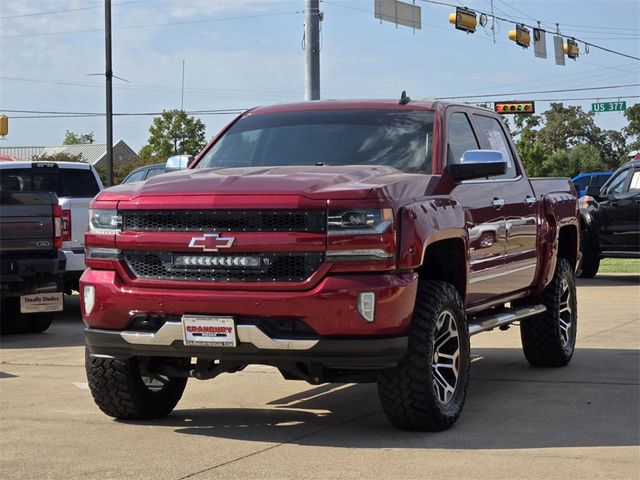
(41, 302)
(208, 331)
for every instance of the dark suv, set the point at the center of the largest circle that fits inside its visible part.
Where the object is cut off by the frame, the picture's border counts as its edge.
(610, 219)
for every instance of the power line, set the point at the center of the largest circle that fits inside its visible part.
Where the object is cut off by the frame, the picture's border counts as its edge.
(52, 12)
(511, 20)
(152, 25)
(606, 87)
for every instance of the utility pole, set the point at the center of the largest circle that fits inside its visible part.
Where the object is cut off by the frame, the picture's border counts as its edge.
(109, 77)
(182, 90)
(312, 50)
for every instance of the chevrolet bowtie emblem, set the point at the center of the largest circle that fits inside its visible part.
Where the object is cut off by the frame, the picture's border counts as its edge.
(211, 242)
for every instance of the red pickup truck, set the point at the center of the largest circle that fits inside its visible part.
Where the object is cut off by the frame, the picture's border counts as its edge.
(339, 241)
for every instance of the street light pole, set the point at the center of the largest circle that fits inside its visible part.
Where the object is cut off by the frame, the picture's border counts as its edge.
(109, 76)
(312, 49)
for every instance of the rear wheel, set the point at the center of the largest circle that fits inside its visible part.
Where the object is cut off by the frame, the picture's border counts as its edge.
(427, 389)
(39, 322)
(549, 339)
(126, 390)
(11, 320)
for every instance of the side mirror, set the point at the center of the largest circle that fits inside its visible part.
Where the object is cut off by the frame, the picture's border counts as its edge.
(478, 164)
(178, 162)
(592, 191)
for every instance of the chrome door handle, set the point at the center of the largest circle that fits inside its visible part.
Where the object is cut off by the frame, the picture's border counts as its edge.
(498, 203)
(529, 200)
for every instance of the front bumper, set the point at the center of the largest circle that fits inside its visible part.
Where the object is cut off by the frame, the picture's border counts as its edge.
(338, 336)
(254, 347)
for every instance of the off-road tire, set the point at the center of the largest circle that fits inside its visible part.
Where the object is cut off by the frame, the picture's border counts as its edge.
(408, 393)
(546, 339)
(590, 257)
(118, 389)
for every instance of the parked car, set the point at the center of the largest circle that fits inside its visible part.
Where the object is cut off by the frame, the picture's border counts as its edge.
(141, 174)
(31, 262)
(594, 179)
(610, 219)
(339, 241)
(75, 184)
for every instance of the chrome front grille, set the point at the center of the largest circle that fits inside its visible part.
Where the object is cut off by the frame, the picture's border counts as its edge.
(271, 267)
(312, 221)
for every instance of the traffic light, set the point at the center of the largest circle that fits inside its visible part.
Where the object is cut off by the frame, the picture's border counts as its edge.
(4, 125)
(521, 36)
(515, 107)
(464, 19)
(571, 49)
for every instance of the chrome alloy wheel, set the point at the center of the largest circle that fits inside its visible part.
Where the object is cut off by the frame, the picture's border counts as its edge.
(565, 314)
(446, 356)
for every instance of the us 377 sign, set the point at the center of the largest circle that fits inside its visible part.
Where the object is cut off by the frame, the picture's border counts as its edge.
(609, 107)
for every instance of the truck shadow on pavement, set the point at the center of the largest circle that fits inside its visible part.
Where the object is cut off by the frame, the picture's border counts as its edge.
(510, 405)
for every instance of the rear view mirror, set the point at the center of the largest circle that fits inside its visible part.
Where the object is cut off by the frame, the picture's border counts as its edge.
(178, 162)
(478, 164)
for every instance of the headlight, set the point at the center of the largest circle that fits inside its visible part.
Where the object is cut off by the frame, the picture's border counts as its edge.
(104, 221)
(359, 221)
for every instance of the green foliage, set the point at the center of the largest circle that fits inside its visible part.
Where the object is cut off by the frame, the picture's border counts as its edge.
(632, 131)
(564, 141)
(72, 138)
(174, 133)
(59, 157)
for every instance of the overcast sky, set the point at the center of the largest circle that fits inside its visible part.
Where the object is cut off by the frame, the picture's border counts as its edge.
(240, 54)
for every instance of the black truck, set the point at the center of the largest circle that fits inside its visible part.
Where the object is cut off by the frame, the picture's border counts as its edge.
(610, 219)
(31, 260)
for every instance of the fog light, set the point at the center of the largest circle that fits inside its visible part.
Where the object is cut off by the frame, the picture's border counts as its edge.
(367, 305)
(89, 296)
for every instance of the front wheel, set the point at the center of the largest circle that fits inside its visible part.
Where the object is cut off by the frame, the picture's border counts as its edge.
(549, 339)
(590, 257)
(427, 389)
(125, 390)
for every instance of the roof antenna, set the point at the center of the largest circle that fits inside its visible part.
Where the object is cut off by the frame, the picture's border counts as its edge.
(403, 98)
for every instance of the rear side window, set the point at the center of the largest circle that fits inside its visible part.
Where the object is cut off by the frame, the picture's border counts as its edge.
(599, 180)
(491, 130)
(65, 182)
(460, 137)
(582, 182)
(135, 177)
(154, 171)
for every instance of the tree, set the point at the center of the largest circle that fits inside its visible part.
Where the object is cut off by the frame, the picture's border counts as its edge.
(174, 133)
(632, 131)
(59, 157)
(72, 138)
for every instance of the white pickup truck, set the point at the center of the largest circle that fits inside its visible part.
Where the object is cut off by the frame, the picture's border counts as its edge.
(75, 184)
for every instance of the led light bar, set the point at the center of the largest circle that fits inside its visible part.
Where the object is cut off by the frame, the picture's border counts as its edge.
(226, 261)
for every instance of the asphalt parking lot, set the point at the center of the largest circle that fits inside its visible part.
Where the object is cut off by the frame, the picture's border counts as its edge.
(581, 422)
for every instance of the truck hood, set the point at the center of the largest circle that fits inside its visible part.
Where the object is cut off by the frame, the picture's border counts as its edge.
(348, 182)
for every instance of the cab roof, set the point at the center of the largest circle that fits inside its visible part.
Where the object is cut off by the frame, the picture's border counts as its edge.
(355, 104)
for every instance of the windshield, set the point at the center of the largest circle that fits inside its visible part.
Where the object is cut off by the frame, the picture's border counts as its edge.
(401, 139)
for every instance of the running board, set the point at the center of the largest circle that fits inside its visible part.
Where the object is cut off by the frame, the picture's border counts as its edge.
(482, 324)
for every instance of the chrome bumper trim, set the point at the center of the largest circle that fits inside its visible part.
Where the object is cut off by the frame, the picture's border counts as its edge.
(172, 331)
